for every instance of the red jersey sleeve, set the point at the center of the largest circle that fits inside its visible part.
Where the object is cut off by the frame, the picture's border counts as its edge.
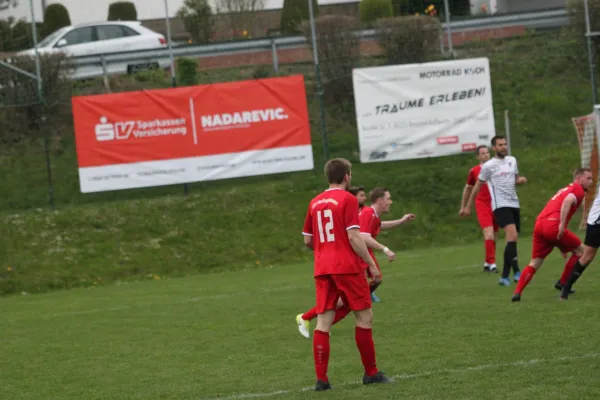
(472, 178)
(351, 213)
(308, 226)
(366, 222)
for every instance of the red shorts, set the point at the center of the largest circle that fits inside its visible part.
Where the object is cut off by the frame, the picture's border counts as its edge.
(544, 239)
(353, 289)
(485, 215)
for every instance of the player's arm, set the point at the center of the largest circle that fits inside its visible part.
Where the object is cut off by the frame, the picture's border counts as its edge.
(519, 180)
(307, 231)
(468, 189)
(308, 241)
(366, 227)
(375, 245)
(397, 222)
(357, 242)
(465, 195)
(360, 247)
(474, 192)
(567, 203)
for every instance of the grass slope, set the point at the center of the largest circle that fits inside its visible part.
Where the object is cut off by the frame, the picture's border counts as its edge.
(245, 223)
(444, 330)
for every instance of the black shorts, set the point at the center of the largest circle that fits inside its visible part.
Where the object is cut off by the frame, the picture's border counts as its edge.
(507, 216)
(592, 236)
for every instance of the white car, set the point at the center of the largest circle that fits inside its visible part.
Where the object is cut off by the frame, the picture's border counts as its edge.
(103, 38)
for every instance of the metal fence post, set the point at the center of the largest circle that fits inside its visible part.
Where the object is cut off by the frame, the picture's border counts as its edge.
(40, 93)
(186, 189)
(590, 49)
(275, 56)
(448, 28)
(507, 129)
(105, 78)
(320, 93)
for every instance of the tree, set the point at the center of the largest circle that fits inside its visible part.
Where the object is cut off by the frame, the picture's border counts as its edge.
(56, 16)
(15, 35)
(198, 19)
(240, 14)
(122, 11)
(294, 13)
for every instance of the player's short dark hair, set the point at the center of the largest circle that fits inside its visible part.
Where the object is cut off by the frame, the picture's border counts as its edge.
(483, 146)
(336, 169)
(581, 171)
(377, 193)
(496, 138)
(355, 189)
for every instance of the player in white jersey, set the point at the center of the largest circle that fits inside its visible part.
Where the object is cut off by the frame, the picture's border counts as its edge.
(501, 174)
(590, 247)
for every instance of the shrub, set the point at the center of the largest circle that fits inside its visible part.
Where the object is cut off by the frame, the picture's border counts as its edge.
(412, 39)
(198, 19)
(15, 35)
(187, 71)
(56, 16)
(22, 113)
(339, 51)
(122, 11)
(261, 72)
(294, 13)
(372, 10)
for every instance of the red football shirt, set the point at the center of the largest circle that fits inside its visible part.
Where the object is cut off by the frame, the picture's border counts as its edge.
(329, 216)
(484, 192)
(552, 209)
(370, 224)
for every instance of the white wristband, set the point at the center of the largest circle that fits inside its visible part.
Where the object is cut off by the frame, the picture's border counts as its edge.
(385, 249)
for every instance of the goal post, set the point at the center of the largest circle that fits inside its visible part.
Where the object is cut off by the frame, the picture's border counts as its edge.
(588, 136)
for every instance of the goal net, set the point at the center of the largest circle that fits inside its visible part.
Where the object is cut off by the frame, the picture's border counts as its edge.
(588, 133)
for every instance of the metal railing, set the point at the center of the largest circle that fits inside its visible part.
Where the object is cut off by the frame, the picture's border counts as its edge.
(99, 65)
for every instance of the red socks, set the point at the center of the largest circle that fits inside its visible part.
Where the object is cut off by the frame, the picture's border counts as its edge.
(364, 342)
(310, 314)
(340, 314)
(321, 354)
(490, 251)
(568, 269)
(526, 277)
(366, 347)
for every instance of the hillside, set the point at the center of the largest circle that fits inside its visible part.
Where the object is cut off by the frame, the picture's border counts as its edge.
(255, 222)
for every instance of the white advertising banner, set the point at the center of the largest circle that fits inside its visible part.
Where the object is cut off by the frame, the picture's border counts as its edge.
(423, 110)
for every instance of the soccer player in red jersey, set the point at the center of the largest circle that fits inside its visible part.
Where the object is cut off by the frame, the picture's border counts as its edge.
(371, 225)
(331, 229)
(483, 208)
(303, 320)
(551, 230)
(361, 196)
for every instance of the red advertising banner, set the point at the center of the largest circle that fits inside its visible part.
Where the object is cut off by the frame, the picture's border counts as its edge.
(191, 134)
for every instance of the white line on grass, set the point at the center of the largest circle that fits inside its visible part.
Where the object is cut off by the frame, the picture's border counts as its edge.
(482, 367)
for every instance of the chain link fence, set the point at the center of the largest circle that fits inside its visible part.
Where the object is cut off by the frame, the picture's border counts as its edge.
(542, 78)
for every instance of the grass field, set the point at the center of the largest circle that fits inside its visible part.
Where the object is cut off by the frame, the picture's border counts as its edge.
(444, 329)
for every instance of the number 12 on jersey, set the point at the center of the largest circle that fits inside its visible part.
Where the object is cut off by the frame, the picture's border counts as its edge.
(327, 217)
